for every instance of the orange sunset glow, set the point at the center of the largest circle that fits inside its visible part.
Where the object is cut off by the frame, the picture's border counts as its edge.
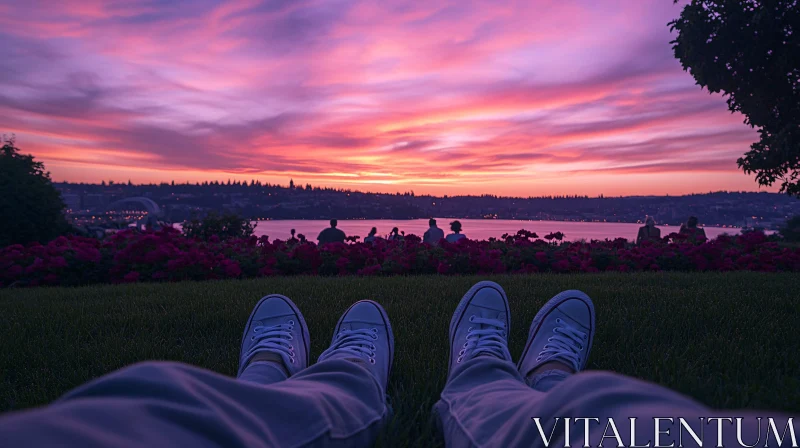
(525, 98)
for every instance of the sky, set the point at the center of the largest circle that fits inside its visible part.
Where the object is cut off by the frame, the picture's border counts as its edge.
(524, 98)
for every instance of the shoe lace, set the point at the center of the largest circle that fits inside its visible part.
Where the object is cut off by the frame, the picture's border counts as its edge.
(565, 345)
(489, 338)
(359, 342)
(274, 338)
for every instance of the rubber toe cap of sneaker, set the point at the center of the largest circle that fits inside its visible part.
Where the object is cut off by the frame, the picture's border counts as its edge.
(577, 310)
(364, 312)
(489, 297)
(273, 307)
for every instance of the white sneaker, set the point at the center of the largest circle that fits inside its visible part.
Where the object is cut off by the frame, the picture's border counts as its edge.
(562, 331)
(480, 325)
(364, 334)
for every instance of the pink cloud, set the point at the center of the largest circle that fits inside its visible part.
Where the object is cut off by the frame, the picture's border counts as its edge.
(518, 97)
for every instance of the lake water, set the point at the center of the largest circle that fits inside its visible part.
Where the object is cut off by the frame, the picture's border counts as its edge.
(479, 229)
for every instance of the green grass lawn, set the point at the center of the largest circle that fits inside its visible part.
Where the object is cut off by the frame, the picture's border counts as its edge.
(729, 340)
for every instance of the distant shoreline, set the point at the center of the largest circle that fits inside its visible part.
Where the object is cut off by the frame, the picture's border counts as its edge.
(497, 219)
(180, 202)
(475, 229)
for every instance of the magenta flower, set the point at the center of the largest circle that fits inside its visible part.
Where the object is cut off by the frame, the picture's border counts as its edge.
(89, 254)
(370, 270)
(232, 269)
(132, 256)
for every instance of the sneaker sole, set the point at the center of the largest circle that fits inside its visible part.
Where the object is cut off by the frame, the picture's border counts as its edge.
(459, 312)
(300, 320)
(385, 318)
(549, 307)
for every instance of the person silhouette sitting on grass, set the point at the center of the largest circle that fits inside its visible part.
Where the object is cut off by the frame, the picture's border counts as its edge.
(693, 233)
(331, 234)
(649, 231)
(371, 237)
(394, 235)
(434, 234)
(455, 226)
(281, 398)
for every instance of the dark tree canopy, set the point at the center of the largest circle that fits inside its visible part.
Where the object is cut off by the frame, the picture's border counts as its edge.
(31, 209)
(750, 51)
(791, 230)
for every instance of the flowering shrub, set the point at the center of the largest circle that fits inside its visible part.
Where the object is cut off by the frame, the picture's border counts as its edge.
(221, 226)
(167, 255)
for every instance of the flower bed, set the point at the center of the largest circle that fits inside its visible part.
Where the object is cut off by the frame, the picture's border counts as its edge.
(167, 255)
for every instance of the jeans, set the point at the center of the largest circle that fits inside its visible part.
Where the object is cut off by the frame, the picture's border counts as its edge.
(338, 402)
(488, 403)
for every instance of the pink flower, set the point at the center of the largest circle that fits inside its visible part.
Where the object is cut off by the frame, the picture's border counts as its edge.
(233, 269)
(58, 262)
(37, 264)
(169, 255)
(561, 266)
(14, 271)
(88, 254)
(267, 271)
(370, 270)
(50, 279)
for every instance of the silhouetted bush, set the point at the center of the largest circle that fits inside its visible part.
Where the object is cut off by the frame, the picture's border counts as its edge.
(219, 227)
(166, 255)
(791, 230)
(31, 208)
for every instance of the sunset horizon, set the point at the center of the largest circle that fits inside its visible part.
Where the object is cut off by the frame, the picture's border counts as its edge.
(529, 99)
(285, 183)
(404, 180)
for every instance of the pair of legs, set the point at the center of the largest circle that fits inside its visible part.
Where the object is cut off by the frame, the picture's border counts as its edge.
(279, 400)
